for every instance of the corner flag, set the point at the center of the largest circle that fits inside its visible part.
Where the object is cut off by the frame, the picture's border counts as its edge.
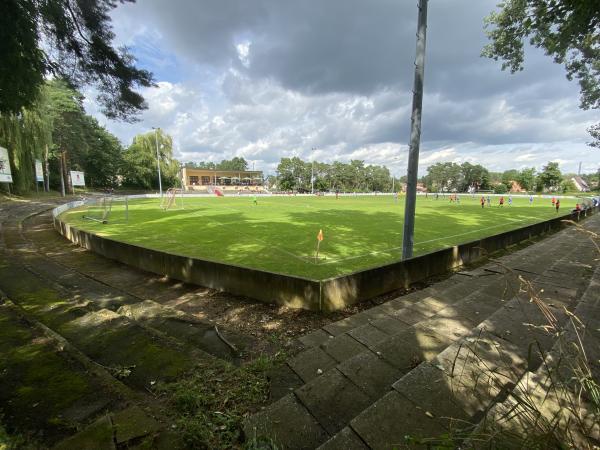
(319, 239)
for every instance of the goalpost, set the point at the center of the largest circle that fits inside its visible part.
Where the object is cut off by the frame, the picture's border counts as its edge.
(100, 209)
(173, 199)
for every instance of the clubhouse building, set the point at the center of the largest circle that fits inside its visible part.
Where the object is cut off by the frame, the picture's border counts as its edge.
(203, 179)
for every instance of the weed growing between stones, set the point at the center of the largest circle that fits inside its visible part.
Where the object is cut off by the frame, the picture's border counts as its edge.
(548, 399)
(13, 441)
(212, 401)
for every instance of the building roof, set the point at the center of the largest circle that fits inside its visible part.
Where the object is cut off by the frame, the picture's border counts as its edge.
(227, 173)
(580, 181)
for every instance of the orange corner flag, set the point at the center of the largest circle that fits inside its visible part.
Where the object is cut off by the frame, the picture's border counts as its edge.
(320, 235)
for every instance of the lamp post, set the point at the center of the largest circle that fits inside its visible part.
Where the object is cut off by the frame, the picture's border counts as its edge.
(158, 161)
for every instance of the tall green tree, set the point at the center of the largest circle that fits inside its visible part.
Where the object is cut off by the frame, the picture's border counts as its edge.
(104, 156)
(293, 174)
(567, 30)
(72, 40)
(25, 135)
(526, 178)
(594, 131)
(236, 163)
(63, 106)
(447, 176)
(140, 161)
(510, 175)
(474, 175)
(550, 177)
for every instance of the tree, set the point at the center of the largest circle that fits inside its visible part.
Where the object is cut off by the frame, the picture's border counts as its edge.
(567, 185)
(508, 176)
(594, 131)
(72, 40)
(500, 188)
(526, 178)
(232, 164)
(567, 30)
(139, 161)
(550, 177)
(378, 179)
(104, 156)
(293, 174)
(446, 176)
(56, 130)
(474, 175)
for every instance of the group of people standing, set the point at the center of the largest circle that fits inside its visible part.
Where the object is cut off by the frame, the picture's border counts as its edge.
(488, 200)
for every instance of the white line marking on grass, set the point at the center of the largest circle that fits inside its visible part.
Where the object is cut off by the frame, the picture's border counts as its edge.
(211, 218)
(388, 250)
(305, 260)
(468, 232)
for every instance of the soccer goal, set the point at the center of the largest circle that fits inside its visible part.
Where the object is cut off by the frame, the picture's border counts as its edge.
(107, 209)
(173, 199)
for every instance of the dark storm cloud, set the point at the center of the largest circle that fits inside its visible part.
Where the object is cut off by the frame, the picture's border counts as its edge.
(353, 46)
(270, 78)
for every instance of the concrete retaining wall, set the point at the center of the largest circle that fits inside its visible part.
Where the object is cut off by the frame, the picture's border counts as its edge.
(297, 292)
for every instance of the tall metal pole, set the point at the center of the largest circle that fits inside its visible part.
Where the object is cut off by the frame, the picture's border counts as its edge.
(158, 161)
(415, 135)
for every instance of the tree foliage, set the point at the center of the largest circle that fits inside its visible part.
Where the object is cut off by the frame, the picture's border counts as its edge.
(71, 40)
(476, 176)
(594, 131)
(567, 30)
(56, 130)
(444, 177)
(550, 177)
(235, 163)
(139, 161)
(526, 178)
(293, 174)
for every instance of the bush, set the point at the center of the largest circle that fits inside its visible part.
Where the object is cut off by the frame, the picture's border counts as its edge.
(500, 189)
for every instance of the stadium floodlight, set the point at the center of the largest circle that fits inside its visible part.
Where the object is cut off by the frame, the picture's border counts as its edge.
(415, 135)
(158, 160)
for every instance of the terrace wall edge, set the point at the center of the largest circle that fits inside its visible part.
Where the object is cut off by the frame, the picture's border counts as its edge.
(286, 290)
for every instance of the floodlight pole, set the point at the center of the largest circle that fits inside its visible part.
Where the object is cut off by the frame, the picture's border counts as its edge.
(158, 161)
(415, 135)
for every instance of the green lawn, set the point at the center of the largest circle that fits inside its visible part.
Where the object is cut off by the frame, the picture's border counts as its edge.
(279, 234)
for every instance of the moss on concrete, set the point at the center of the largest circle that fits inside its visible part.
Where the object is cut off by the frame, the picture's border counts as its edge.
(37, 384)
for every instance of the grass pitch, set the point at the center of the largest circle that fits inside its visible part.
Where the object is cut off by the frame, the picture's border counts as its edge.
(279, 234)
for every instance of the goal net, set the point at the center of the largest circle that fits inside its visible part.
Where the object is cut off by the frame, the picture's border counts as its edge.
(107, 209)
(173, 199)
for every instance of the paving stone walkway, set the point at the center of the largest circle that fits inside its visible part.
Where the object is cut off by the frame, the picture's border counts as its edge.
(417, 365)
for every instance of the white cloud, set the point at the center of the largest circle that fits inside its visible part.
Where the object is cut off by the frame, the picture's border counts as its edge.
(278, 78)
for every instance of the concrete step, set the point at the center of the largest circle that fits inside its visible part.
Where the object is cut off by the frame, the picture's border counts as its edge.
(110, 339)
(403, 367)
(551, 398)
(184, 327)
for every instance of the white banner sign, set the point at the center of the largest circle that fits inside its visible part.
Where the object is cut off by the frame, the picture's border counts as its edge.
(77, 178)
(39, 172)
(5, 175)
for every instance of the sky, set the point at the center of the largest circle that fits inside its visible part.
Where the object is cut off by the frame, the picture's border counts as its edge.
(332, 80)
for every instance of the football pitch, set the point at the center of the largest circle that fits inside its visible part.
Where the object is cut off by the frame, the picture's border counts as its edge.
(279, 234)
